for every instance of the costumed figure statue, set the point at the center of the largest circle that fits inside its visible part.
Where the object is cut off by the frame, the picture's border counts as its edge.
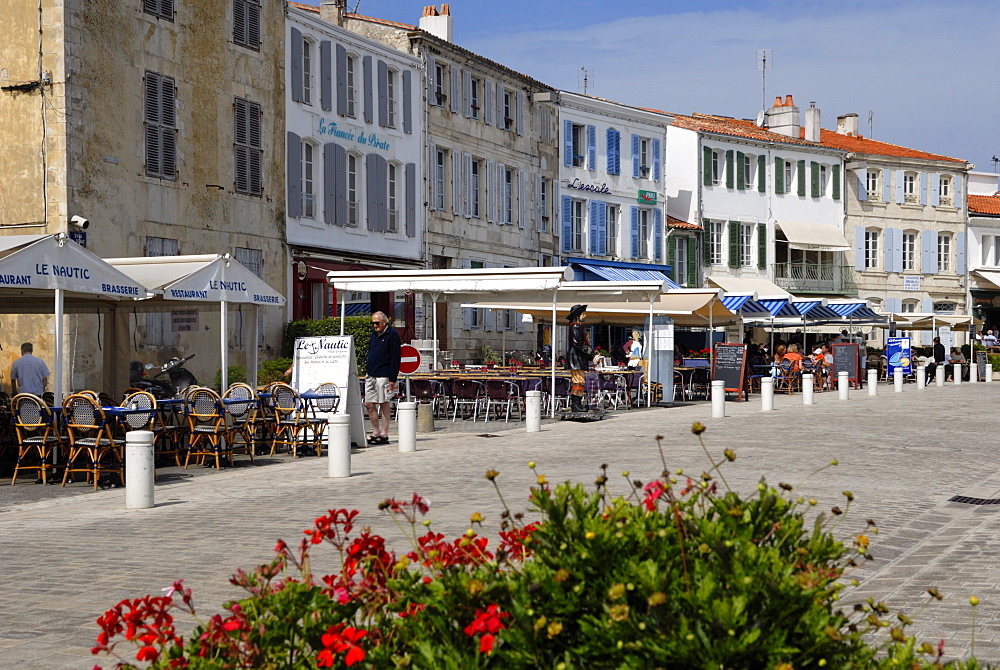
(635, 350)
(578, 358)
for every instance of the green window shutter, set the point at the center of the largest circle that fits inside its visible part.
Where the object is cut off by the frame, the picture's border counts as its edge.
(706, 165)
(740, 177)
(671, 254)
(729, 168)
(706, 247)
(800, 173)
(692, 258)
(836, 182)
(734, 244)
(762, 246)
(779, 175)
(814, 178)
(762, 173)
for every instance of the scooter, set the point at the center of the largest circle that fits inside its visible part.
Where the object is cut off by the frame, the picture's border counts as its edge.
(179, 376)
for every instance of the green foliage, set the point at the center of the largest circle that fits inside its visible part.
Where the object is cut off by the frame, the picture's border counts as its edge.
(237, 373)
(358, 326)
(487, 355)
(994, 360)
(273, 371)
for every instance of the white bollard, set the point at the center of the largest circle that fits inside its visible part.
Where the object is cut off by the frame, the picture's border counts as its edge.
(139, 469)
(940, 374)
(921, 377)
(406, 425)
(957, 373)
(897, 380)
(872, 381)
(973, 372)
(843, 385)
(718, 399)
(807, 389)
(533, 411)
(766, 394)
(338, 446)
(989, 374)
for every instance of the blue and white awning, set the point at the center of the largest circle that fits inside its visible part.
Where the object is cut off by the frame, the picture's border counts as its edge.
(846, 309)
(822, 313)
(779, 307)
(628, 274)
(804, 307)
(734, 303)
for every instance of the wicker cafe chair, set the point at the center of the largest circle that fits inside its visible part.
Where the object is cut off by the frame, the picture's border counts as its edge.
(91, 440)
(294, 425)
(240, 403)
(36, 435)
(206, 427)
(320, 409)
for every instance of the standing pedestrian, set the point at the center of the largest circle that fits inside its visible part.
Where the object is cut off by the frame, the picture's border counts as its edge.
(29, 374)
(578, 357)
(381, 373)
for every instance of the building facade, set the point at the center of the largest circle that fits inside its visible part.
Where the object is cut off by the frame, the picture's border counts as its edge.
(355, 164)
(984, 248)
(161, 122)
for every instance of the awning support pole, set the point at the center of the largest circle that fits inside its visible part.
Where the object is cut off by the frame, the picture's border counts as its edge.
(434, 326)
(223, 342)
(252, 352)
(343, 310)
(57, 388)
(648, 350)
(552, 363)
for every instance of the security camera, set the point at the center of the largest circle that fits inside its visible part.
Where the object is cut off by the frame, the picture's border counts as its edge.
(78, 221)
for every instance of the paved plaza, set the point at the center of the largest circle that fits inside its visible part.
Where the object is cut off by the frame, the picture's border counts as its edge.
(67, 558)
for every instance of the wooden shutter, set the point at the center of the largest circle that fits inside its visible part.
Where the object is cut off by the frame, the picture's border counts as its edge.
(567, 223)
(959, 253)
(706, 242)
(900, 193)
(635, 156)
(814, 179)
(761, 173)
(520, 198)
(706, 166)
(862, 184)
(922, 187)
(466, 94)
(594, 243)
(410, 176)
(740, 175)
(488, 106)
(567, 143)
(835, 177)
(501, 122)
(240, 22)
(692, 264)
(407, 77)
(886, 185)
(293, 173)
(457, 194)
(340, 184)
(432, 82)
(296, 49)
(779, 175)
(634, 230)
(614, 144)
(151, 108)
(591, 148)
(253, 25)
(729, 169)
(369, 108)
(168, 132)
(324, 93)
(254, 167)
(935, 190)
(761, 246)
(800, 176)
(658, 235)
(491, 192)
(859, 249)
(929, 252)
(329, 185)
(672, 258)
(520, 113)
(734, 244)
(383, 94)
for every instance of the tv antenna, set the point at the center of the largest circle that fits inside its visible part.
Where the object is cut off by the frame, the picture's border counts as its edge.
(586, 80)
(871, 117)
(995, 161)
(765, 59)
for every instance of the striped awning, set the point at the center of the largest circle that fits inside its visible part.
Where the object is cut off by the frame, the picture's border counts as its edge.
(735, 302)
(806, 306)
(779, 307)
(865, 313)
(822, 312)
(846, 309)
(628, 274)
(356, 308)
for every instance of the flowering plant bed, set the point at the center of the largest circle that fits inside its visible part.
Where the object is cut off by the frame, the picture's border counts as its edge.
(678, 572)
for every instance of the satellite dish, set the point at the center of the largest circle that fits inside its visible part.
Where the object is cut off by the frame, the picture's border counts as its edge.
(760, 119)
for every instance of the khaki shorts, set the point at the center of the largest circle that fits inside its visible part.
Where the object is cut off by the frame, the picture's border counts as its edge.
(377, 390)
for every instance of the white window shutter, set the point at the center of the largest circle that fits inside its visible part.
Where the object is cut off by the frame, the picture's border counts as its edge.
(537, 207)
(432, 174)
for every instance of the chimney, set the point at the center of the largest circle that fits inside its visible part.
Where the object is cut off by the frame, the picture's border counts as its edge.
(812, 123)
(783, 118)
(332, 11)
(847, 124)
(436, 23)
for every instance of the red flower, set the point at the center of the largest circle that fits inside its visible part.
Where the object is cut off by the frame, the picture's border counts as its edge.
(488, 623)
(338, 639)
(654, 490)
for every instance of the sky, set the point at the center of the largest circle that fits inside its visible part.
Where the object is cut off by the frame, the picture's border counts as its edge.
(925, 69)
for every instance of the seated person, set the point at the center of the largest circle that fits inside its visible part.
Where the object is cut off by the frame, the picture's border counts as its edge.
(792, 354)
(779, 354)
(958, 357)
(990, 339)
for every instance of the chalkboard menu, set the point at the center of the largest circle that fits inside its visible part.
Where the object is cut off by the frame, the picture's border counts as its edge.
(981, 364)
(845, 357)
(730, 365)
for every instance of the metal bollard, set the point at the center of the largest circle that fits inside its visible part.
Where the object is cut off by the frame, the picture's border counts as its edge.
(807, 388)
(957, 373)
(718, 399)
(939, 375)
(766, 394)
(406, 425)
(872, 381)
(139, 469)
(338, 446)
(989, 374)
(843, 385)
(921, 377)
(533, 411)
(897, 380)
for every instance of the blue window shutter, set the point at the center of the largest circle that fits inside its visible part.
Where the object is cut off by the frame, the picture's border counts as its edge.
(407, 102)
(488, 108)
(928, 252)
(862, 184)
(657, 165)
(431, 82)
(296, 49)
(453, 91)
(893, 305)
(594, 243)
(635, 156)
(900, 197)
(935, 190)
(888, 237)
(326, 76)
(383, 94)
(922, 187)
(960, 253)
(634, 231)
(294, 171)
(341, 81)
(886, 186)
(602, 228)
(467, 94)
(618, 153)
(568, 143)
(410, 199)
(340, 184)
(591, 148)
(658, 235)
(330, 185)
(859, 248)
(369, 107)
(612, 142)
(926, 305)
(956, 187)
(501, 90)
(567, 223)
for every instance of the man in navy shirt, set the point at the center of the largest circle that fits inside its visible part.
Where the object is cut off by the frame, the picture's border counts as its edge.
(381, 373)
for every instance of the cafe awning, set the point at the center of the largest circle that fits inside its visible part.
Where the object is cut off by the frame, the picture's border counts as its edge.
(814, 236)
(464, 280)
(627, 274)
(989, 277)
(759, 286)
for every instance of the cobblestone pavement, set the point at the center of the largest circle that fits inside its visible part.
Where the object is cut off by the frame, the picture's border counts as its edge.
(69, 557)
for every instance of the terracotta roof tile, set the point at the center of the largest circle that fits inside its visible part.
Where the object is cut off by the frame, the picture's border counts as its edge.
(305, 8)
(984, 204)
(673, 222)
(859, 144)
(723, 125)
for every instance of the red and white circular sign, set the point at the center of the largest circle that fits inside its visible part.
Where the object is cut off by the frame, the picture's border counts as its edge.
(409, 359)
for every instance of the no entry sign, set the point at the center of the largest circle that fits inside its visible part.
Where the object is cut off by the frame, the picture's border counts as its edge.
(409, 359)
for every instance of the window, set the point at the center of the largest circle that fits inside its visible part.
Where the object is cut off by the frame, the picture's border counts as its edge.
(392, 170)
(508, 110)
(747, 170)
(715, 232)
(789, 174)
(822, 180)
(945, 308)
(246, 23)
(873, 185)
(160, 126)
(579, 144)
(945, 191)
(249, 153)
(475, 187)
(716, 167)
(681, 260)
(576, 226)
(871, 249)
(307, 54)
(390, 97)
(507, 197)
(944, 252)
(910, 187)
(308, 197)
(909, 251)
(351, 67)
(440, 159)
(353, 187)
(159, 331)
(746, 245)
(163, 9)
(440, 76)
(544, 199)
(645, 157)
(476, 93)
(612, 230)
(909, 306)
(644, 216)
